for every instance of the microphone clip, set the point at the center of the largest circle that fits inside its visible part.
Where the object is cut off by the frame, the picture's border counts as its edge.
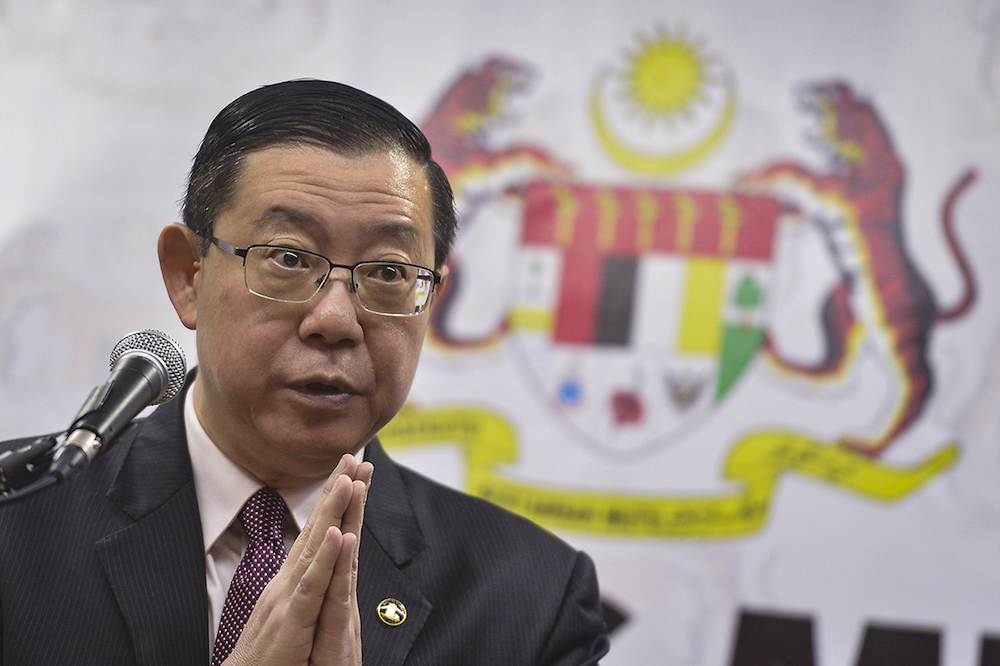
(22, 466)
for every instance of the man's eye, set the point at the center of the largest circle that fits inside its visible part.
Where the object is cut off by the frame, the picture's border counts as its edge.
(389, 273)
(289, 258)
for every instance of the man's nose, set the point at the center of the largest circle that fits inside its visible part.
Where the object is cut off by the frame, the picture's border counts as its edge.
(332, 314)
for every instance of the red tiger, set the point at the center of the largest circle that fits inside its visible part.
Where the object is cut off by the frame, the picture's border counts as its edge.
(458, 126)
(858, 208)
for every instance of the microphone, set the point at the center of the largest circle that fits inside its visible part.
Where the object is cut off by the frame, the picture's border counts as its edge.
(147, 368)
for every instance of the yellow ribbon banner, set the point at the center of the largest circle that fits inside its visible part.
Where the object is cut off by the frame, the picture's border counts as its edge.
(757, 462)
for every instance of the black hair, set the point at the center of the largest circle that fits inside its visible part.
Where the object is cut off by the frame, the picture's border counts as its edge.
(331, 115)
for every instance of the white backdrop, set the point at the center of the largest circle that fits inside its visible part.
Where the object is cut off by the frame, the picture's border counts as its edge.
(701, 500)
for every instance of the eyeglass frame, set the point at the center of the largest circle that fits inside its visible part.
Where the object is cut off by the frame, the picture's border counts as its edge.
(243, 252)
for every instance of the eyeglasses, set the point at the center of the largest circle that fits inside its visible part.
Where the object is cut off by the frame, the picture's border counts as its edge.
(291, 275)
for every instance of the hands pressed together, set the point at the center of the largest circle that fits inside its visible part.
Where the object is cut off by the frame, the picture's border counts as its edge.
(308, 613)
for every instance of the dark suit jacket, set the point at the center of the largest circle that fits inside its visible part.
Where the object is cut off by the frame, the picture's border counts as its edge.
(109, 568)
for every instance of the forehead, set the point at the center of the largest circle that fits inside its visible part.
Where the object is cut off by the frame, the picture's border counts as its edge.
(329, 196)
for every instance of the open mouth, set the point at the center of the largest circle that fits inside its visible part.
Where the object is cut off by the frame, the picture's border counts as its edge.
(322, 389)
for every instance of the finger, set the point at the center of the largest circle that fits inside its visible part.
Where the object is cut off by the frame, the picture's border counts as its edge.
(327, 513)
(342, 586)
(340, 607)
(354, 514)
(338, 632)
(364, 473)
(323, 513)
(307, 599)
(307, 528)
(341, 595)
(348, 465)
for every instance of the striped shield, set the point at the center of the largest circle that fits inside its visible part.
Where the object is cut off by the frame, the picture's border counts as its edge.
(639, 309)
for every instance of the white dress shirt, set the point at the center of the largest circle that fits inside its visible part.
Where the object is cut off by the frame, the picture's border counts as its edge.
(223, 487)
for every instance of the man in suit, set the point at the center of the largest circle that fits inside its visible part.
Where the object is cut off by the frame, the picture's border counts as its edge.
(316, 228)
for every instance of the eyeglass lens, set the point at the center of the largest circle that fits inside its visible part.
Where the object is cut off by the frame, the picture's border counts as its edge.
(295, 276)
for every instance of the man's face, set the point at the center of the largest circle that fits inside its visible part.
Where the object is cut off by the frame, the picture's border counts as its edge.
(286, 389)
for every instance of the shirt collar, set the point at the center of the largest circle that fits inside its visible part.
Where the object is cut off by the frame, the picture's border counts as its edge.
(223, 487)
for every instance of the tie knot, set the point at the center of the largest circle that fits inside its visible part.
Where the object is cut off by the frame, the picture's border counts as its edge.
(263, 515)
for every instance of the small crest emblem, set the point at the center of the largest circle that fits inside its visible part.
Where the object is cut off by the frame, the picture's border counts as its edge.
(392, 612)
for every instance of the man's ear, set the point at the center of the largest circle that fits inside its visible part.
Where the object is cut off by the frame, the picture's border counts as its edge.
(180, 265)
(443, 272)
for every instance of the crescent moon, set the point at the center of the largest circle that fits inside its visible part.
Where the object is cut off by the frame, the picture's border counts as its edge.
(659, 164)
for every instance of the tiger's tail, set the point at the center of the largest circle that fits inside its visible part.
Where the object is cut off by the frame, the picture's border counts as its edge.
(948, 223)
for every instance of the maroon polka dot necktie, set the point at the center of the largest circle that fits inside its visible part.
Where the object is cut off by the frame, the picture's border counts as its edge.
(262, 518)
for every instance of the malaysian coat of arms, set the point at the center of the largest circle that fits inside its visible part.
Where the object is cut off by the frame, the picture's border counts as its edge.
(634, 307)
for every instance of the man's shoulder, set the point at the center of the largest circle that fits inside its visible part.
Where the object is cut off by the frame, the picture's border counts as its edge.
(482, 561)
(158, 451)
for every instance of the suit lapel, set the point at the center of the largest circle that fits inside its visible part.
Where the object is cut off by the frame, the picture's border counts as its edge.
(156, 566)
(390, 539)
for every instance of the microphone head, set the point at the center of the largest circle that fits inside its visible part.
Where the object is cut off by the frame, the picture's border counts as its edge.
(164, 349)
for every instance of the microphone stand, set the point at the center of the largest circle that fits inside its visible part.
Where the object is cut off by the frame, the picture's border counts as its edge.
(23, 470)
(27, 470)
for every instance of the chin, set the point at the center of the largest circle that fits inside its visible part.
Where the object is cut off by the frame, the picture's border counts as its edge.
(308, 441)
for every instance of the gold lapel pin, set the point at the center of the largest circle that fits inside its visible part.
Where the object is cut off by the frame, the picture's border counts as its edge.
(392, 612)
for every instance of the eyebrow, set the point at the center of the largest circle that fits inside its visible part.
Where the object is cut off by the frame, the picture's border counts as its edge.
(405, 234)
(278, 214)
